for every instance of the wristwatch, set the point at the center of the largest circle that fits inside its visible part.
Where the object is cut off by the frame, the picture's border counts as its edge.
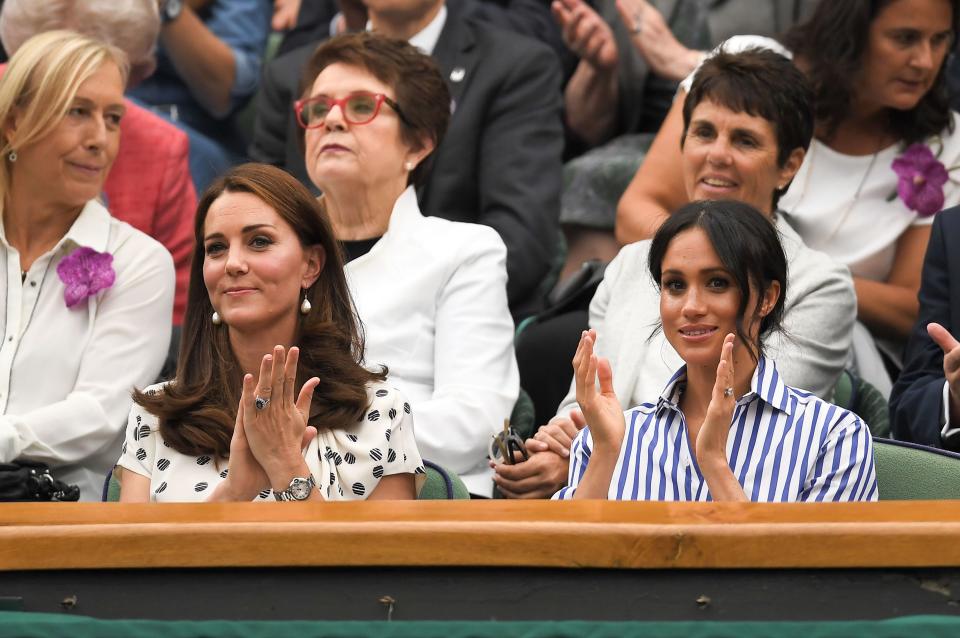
(170, 10)
(299, 489)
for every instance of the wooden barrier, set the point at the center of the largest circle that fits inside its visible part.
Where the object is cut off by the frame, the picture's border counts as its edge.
(460, 560)
(45, 536)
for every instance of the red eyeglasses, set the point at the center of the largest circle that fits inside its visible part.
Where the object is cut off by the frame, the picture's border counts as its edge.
(357, 108)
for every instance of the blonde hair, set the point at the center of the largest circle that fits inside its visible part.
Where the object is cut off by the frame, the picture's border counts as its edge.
(39, 85)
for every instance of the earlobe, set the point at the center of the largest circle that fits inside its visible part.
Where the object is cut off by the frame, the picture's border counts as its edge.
(770, 298)
(791, 167)
(316, 259)
(417, 156)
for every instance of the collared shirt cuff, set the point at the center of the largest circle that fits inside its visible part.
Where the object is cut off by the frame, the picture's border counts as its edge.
(247, 74)
(10, 444)
(945, 417)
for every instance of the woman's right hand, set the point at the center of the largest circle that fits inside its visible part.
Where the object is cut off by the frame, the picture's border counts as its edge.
(601, 409)
(245, 477)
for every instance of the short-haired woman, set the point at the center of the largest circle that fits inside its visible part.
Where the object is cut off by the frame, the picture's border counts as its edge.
(868, 188)
(431, 292)
(86, 299)
(270, 399)
(726, 427)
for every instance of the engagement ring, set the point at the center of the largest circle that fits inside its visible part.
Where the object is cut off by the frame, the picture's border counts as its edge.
(728, 392)
(262, 402)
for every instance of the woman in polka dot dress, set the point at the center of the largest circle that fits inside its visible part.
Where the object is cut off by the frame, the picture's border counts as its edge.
(270, 398)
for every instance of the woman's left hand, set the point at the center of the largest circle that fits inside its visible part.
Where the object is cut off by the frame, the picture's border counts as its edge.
(277, 429)
(712, 438)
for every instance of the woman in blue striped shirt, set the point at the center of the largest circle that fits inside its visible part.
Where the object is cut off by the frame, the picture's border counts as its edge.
(726, 428)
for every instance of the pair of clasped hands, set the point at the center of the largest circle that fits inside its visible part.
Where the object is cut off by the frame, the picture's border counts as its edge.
(271, 429)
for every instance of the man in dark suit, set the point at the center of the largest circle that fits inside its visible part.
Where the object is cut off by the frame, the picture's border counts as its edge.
(925, 403)
(500, 162)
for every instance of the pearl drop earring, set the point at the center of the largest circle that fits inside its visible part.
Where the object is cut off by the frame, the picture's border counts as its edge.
(215, 319)
(305, 307)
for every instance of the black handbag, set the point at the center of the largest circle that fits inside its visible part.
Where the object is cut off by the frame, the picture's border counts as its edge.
(30, 481)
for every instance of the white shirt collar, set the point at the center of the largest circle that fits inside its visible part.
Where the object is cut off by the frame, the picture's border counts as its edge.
(426, 39)
(91, 228)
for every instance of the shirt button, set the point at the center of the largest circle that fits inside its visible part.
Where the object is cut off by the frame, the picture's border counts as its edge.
(10, 338)
(33, 283)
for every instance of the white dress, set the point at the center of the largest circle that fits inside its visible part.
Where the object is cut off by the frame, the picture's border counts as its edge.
(346, 463)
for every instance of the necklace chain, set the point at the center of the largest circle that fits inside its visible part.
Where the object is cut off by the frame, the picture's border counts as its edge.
(849, 207)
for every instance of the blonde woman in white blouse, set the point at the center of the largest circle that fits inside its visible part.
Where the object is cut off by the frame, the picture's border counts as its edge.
(86, 298)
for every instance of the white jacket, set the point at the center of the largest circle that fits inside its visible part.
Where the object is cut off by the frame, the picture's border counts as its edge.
(432, 298)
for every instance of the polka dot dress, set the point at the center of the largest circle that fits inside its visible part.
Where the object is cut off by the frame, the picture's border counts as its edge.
(347, 464)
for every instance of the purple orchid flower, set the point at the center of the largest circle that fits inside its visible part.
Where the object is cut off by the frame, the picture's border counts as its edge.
(85, 272)
(921, 179)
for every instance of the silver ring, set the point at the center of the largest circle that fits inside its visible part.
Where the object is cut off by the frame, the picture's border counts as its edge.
(728, 392)
(262, 402)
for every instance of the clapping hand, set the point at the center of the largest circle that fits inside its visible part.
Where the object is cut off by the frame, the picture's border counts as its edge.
(653, 39)
(601, 409)
(712, 439)
(951, 363)
(268, 437)
(586, 33)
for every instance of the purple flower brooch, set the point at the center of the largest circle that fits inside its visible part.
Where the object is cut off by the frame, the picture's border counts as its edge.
(921, 179)
(85, 272)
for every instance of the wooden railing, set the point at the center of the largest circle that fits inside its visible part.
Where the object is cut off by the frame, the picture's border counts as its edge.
(42, 536)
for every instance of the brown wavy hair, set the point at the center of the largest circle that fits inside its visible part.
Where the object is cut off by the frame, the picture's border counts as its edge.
(832, 44)
(198, 409)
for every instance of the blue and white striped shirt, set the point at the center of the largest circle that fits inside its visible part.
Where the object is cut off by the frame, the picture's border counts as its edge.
(784, 445)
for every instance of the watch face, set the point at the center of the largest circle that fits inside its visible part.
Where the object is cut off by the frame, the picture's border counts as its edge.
(300, 489)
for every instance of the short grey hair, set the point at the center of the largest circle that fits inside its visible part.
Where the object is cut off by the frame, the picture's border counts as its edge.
(130, 25)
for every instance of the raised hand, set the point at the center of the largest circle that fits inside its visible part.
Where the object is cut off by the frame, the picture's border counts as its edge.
(654, 40)
(586, 33)
(275, 425)
(285, 14)
(712, 438)
(600, 408)
(951, 363)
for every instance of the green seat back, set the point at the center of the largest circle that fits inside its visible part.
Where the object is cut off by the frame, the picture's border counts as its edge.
(442, 484)
(906, 471)
(523, 417)
(863, 399)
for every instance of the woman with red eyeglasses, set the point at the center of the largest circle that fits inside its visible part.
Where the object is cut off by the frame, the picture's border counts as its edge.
(431, 293)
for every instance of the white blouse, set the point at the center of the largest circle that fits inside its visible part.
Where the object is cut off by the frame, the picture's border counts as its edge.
(847, 206)
(347, 464)
(66, 374)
